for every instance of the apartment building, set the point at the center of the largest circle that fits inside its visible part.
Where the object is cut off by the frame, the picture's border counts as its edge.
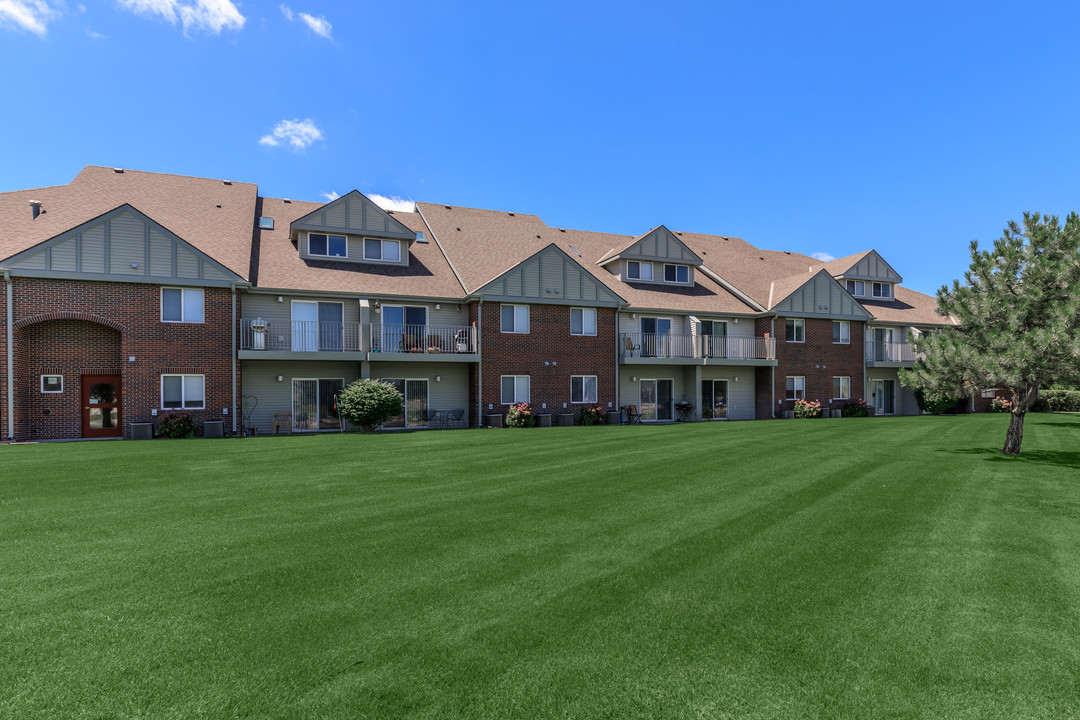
(128, 294)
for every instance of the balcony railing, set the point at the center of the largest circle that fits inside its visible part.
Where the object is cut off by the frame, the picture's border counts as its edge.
(395, 338)
(646, 345)
(900, 352)
(299, 335)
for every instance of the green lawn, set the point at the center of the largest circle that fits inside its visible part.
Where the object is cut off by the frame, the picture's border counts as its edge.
(823, 569)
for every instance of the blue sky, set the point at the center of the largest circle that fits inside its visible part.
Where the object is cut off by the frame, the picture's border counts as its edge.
(829, 127)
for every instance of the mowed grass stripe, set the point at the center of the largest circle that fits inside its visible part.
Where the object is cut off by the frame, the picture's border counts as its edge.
(815, 569)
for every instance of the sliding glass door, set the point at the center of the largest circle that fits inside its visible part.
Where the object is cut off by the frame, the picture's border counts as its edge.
(314, 404)
(404, 328)
(657, 400)
(714, 396)
(414, 408)
(317, 326)
(655, 334)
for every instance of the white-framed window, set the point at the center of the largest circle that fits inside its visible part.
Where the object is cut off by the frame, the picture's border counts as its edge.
(388, 250)
(183, 392)
(582, 321)
(992, 392)
(638, 270)
(796, 330)
(677, 273)
(856, 287)
(796, 387)
(582, 388)
(515, 319)
(841, 387)
(323, 245)
(182, 305)
(882, 290)
(514, 389)
(52, 383)
(841, 332)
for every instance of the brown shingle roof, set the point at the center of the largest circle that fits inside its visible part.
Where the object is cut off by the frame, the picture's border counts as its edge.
(909, 307)
(187, 206)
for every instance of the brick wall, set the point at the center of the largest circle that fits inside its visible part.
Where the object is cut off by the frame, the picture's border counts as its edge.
(818, 360)
(548, 341)
(62, 324)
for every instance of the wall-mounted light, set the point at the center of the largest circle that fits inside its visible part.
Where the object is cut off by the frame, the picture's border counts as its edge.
(280, 378)
(633, 316)
(280, 299)
(633, 379)
(436, 306)
(438, 378)
(377, 306)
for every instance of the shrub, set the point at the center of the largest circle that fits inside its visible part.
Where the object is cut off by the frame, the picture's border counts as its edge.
(1040, 405)
(591, 415)
(807, 409)
(936, 404)
(1061, 400)
(706, 413)
(369, 403)
(176, 424)
(1000, 405)
(520, 416)
(854, 408)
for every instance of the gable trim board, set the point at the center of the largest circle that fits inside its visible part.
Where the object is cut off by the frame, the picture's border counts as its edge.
(354, 214)
(871, 267)
(657, 245)
(552, 277)
(122, 245)
(823, 297)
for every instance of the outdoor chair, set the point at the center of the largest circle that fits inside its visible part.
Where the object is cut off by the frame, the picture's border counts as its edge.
(283, 420)
(457, 417)
(631, 347)
(631, 416)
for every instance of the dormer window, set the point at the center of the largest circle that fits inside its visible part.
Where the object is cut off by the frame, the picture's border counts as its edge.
(327, 245)
(677, 273)
(856, 287)
(882, 290)
(638, 270)
(387, 250)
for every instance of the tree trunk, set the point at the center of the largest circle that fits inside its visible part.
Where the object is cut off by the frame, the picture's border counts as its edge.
(1015, 434)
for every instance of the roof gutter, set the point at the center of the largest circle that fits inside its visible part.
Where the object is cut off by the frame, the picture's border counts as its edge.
(442, 250)
(734, 290)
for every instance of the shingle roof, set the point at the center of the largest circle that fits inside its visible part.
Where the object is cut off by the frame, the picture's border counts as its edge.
(187, 206)
(908, 306)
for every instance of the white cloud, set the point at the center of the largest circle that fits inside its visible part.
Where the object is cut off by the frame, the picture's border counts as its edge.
(330, 196)
(211, 16)
(823, 257)
(300, 134)
(318, 25)
(392, 202)
(96, 35)
(32, 15)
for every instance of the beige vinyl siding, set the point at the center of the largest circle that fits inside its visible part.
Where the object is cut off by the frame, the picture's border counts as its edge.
(127, 245)
(64, 256)
(187, 263)
(93, 249)
(740, 393)
(161, 254)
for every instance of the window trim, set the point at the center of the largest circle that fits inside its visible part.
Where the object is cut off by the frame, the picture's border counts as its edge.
(515, 331)
(853, 291)
(884, 288)
(842, 340)
(795, 389)
(584, 400)
(584, 310)
(640, 264)
(183, 403)
(382, 253)
(842, 378)
(516, 400)
(52, 392)
(327, 253)
(183, 314)
(800, 326)
(677, 281)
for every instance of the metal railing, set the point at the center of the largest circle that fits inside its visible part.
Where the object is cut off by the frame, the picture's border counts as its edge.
(903, 352)
(393, 337)
(694, 347)
(299, 335)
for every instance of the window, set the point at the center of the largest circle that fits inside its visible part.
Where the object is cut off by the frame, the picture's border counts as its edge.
(638, 270)
(183, 391)
(582, 388)
(992, 392)
(882, 290)
(515, 319)
(841, 332)
(266, 223)
(841, 387)
(856, 287)
(388, 250)
(796, 387)
(52, 383)
(327, 245)
(795, 330)
(582, 321)
(515, 389)
(182, 305)
(677, 273)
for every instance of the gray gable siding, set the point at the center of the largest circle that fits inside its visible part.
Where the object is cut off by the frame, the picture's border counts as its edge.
(661, 245)
(821, 296)
(354, 214)
(873, 268)
(121, 245)
(549, 277)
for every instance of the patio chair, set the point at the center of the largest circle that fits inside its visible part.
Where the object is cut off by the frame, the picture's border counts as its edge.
(457, 416)
(631, 416)
(283, 420)
(631, 348)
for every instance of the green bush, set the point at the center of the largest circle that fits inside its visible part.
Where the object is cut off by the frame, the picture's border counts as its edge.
(937, 404)
(369, 403)
(1061, 400)
(591, 415)
(175, 424)
(854, 408)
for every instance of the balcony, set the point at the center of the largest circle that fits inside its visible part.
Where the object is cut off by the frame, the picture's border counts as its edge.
(646, 348)
(890, 354)
(299, 339)
(423, 343)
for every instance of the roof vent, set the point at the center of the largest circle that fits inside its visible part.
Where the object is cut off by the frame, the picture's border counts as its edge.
(266, 223)
(562, 229)
(537, 237)
(35, 208)
(510, 214)
(421, 237)
(118, 171)
(287, 201)
(447, 207)
(218, 205)
(226, 182)
(459, 229)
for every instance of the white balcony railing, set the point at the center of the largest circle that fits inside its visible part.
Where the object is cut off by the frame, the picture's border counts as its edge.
(880, 351)
(396, 338)
(299, 335)
(695, 347)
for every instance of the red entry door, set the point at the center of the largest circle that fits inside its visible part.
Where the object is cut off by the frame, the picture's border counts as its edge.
(101, 396)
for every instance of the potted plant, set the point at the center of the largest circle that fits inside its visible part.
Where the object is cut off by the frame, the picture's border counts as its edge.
(434, 349)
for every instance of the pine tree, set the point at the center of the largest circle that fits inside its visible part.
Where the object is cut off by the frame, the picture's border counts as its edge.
(1017, 320)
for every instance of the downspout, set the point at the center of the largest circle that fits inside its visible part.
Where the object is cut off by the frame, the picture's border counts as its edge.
(234, 359)
(618, 400)
(479, 365)
(10, 363)
(772, 370)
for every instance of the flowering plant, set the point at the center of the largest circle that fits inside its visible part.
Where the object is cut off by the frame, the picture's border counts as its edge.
(854, 408)
(520, 416)
(591, 415)
(1001, 405)
(434, 349)
(807, 409)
